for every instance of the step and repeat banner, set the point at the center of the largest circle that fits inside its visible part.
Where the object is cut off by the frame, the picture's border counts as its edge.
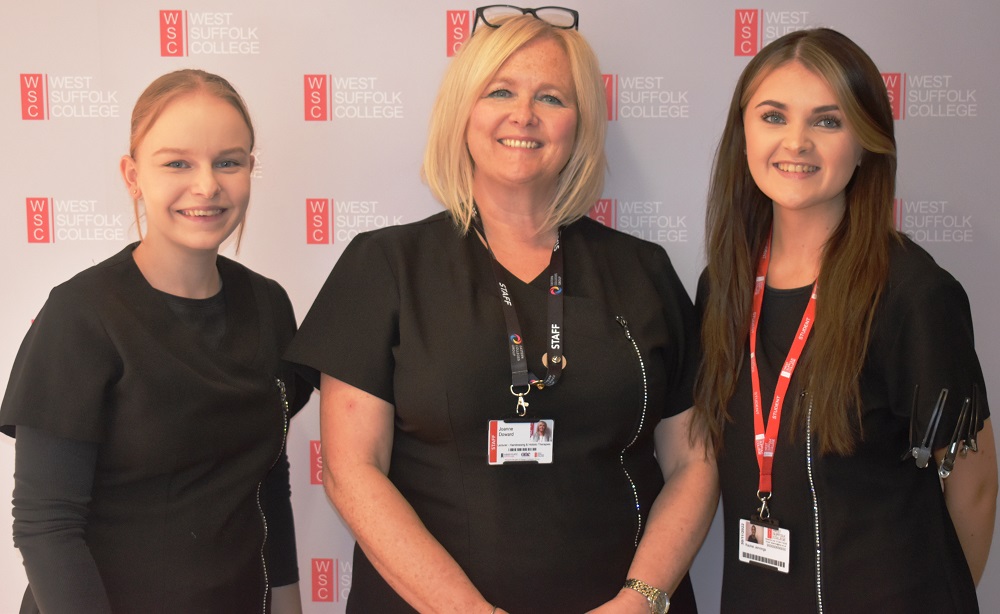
(340, 93)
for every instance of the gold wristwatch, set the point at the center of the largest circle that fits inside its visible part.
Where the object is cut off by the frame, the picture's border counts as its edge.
(659, 603)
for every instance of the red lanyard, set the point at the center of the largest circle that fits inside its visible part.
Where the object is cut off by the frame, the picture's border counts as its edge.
(765, 442)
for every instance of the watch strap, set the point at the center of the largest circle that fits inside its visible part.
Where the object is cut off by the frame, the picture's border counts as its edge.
(658, 600)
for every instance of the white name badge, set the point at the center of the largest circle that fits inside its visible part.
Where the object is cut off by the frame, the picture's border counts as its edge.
(764, 545)
(520, 442)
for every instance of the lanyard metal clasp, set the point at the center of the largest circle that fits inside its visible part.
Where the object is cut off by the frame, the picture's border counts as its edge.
(522, 405)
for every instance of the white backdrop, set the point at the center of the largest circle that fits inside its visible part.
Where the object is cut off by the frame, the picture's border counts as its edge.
(341, 93)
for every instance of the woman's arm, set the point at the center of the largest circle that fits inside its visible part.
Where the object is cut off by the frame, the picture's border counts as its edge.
(680, 516)
(53, 478)
(356, 430)
(970, 493)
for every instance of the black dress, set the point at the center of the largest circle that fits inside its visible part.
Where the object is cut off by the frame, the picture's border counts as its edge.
(411, 314)
(886, 541)
(186, 432)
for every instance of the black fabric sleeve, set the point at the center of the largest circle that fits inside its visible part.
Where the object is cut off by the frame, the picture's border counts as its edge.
(934, 348)
(353, 325)
(682, 326)
(53, 478)
(281, 555)
(300, 382)
(64, 369)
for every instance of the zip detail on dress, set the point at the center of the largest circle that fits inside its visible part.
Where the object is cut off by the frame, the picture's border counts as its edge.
(260, 508)
(815, 505)
(642, 422)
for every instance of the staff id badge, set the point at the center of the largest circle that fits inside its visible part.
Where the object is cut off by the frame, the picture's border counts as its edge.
(520, 442)
(764, 545)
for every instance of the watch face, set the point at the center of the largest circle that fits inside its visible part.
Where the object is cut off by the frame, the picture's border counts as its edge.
(661, 603)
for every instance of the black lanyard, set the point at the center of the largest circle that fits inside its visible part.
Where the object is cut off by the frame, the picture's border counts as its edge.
(520, 376)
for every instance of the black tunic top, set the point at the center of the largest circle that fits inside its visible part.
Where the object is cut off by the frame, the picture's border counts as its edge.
(886, 541)
(411, 314)
(187, 432)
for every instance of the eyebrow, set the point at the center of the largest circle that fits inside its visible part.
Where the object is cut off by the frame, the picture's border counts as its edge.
(179, 151)
(784, 107)
(500, 79)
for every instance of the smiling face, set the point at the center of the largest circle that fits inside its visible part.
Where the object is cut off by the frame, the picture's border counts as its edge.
(522, 129)
(800, 149)
(192, 172)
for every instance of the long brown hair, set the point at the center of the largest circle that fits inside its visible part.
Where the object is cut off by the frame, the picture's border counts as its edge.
(855, 259)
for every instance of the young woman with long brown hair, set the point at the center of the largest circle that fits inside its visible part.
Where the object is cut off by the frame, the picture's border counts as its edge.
(812, 303)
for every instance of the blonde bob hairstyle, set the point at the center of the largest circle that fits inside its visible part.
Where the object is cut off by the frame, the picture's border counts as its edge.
(448, 167)
(167, 88)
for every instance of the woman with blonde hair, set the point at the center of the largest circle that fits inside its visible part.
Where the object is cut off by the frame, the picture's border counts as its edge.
(832, 347)
(429, 336)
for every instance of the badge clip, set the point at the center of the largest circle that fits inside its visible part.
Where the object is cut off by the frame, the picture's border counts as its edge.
(763, 513)
(522, 405)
